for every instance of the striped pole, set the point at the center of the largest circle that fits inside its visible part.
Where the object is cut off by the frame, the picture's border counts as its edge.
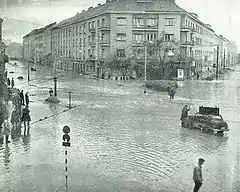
(66, 168)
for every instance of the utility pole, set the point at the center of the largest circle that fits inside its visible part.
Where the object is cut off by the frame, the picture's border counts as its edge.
(66, 143)
(145, 46)
(224, 63)
(217, 62)
(69, 105)
(55, 86)
(145, 68)
(28, 71)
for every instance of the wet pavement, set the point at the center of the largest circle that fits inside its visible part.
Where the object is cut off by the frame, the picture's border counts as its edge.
(122, 140)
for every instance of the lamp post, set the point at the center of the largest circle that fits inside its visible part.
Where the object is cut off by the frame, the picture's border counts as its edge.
(145, 67)
(170, 55)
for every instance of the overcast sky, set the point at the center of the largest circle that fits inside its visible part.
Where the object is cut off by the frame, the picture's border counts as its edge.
(221, 14)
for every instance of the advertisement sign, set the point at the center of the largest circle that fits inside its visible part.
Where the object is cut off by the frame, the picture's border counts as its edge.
(180, 74)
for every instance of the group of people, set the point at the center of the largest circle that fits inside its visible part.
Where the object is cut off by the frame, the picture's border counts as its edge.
(19, 114)
(10, 83)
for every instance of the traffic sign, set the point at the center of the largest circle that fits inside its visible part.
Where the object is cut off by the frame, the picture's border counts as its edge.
(66, 137)
(66, 144)
(66, 129)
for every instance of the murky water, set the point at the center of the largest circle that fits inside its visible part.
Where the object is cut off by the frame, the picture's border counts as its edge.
(123, 139)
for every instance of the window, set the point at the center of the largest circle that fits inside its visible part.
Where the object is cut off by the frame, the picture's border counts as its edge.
(121, 37)
(98, 23)
(151, 36)
(121, 21)
(93, 24)
(138, 21)
(138, 37)
(121, 53)
(169, 37)
(89, 25)
(152, 22)
(102, 53)
(169, 21)
(103, 22)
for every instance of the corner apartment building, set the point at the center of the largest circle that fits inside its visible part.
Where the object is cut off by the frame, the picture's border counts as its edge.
(37, 45)
(120, 27)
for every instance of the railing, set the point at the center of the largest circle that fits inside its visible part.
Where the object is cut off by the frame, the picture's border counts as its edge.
(102, 28)
(105, 42)
(190, 43)
(92, 30)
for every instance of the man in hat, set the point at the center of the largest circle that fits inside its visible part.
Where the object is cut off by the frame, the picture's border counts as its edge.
(197, 175)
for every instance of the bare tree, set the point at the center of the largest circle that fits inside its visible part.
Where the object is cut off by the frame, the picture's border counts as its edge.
(161, 47)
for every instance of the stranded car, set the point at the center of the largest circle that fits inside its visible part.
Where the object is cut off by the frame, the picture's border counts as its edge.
(207, 119)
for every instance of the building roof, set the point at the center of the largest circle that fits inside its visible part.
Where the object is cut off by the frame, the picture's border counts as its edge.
(125, 5)
(37, 31)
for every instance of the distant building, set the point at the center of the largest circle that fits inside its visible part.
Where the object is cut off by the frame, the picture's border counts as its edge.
(84, 41)
(14, 51)
(37, 45)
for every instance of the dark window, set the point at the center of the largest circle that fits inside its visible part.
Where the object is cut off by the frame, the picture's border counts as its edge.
(121, 53)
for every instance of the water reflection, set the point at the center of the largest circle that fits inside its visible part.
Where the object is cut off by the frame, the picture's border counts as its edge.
(26, 139)
(203, 142)
(6, 157)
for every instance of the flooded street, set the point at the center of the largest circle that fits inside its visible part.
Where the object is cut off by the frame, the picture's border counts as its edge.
(121, 139)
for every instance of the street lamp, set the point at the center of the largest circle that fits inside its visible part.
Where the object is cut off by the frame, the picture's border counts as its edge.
(170, 54)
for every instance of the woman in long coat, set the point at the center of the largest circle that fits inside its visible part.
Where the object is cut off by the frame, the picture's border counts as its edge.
(26, 116)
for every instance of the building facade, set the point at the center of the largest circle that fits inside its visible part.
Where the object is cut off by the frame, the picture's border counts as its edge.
(120, 28)
(37, 45)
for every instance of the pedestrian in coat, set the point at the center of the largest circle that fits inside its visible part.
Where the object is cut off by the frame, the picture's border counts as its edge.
(185, 111)
(171, 92)
(22, 97)
(197, 76)
(51, 92)
(26, 117)
(15, 118)
(8, 82)
(12, 82)
(197, 175)
(7, 130)
(27, 99)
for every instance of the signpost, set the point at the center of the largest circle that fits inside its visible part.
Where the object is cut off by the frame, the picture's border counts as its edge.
(66, 143)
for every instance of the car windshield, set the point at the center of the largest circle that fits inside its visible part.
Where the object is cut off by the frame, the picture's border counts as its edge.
(215, 117)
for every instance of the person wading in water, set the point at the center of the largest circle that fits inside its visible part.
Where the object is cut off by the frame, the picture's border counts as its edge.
(197, 175)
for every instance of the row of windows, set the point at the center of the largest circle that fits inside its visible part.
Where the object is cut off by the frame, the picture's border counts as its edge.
(150, 21)
(78, 30)
(72, 31)
(190, 24)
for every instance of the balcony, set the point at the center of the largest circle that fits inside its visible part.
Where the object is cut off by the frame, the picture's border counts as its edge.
(104, 28)
(188, 29)
(138, 43)
(104, 42)
(92, 44)
(187, 43)
(92, 30)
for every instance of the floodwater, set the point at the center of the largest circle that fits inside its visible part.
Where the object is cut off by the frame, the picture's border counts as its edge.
(121, 139)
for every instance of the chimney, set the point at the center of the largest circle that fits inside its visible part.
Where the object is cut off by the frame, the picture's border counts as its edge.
(99, 4)
(83, 10)
(107, 1)
(90, 8)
